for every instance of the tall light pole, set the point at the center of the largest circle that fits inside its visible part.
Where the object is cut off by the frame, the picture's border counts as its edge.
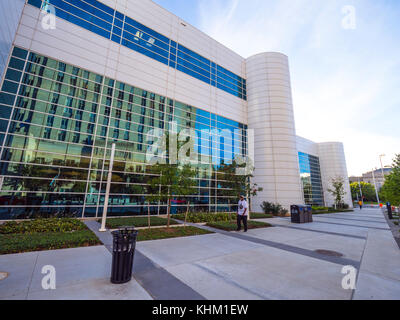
(110, 169)
(383, 173)
(362, 198)
(376, 190)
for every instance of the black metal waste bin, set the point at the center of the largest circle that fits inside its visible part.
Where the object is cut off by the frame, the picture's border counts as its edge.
(301, 214)
(389, 210)
(124, 243)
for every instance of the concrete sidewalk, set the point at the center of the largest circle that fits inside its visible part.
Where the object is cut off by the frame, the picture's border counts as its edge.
(283, 262)
(81, 273)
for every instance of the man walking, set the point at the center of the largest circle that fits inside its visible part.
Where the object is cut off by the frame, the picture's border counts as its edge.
(360, 203)
(242, 214)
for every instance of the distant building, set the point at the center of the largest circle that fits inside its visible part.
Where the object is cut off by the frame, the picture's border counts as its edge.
(368, 177)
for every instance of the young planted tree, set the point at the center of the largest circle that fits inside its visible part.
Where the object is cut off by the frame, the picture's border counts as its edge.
(337, 191)
(173, 181)
(368, 191)
(237, 184)
(391, 189)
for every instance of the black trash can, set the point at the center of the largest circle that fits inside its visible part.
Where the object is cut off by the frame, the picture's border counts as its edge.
(301, 214)
(310, 217)
(124, 243)
(389, 210)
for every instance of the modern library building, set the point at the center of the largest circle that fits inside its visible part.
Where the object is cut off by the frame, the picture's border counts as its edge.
(80, 75)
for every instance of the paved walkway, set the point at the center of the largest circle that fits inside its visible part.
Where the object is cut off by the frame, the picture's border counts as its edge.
(274, 263)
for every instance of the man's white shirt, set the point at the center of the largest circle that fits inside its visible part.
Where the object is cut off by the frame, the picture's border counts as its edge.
(242, 205)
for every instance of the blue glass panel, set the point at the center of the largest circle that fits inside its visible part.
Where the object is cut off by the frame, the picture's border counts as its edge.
(11, 87)
(192, 73)
(35, 3)
(3, 125)
(92, 10)
(116, 38)
(119, 15)
(7, 99)
(147, 30)
(135, 46)
(16, 64)
(5, 112)
(13, 75)
(190, 53)
(20, 53)
(195, 68)
(117, 31)
(118, 23)
(135, 34)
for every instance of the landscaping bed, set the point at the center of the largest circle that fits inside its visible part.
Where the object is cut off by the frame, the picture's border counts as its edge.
(138, 222)
(206, 217)
(331, 211)
(232, 226)
(168, 233)
(254, 215)
(45, 234)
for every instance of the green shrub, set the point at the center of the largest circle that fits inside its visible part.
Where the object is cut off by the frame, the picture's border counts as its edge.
(255, 215)
(174, 232)
(273, 208)
(114, 223)
(26, 242)
(42, 225)
(316, 208)
(205, 217)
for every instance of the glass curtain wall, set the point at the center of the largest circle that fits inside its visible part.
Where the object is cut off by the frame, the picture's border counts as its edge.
(57, 125)
(310, 175)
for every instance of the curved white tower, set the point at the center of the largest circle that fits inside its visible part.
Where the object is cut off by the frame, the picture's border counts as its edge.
(333, 164)
(270, 115)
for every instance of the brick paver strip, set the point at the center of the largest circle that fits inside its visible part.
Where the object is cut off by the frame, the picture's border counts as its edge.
(340, 218)
(157, 281)
(346, 224)
(321, 231)
(285, 247)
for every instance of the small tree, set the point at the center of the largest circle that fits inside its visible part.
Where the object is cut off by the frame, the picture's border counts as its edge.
(368, 191)
(237, 184)
(172, 181)
(391, 189)
(338, 191)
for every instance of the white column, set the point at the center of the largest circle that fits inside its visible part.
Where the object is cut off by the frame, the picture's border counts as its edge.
(270, 115)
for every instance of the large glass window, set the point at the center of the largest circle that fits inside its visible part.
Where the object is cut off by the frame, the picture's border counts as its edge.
(310, 175)
(111, 24)
(58, 128)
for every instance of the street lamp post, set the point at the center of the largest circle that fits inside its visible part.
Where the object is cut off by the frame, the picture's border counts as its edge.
(383, 173)
(110, 169)
(376, 190)
(362, 198)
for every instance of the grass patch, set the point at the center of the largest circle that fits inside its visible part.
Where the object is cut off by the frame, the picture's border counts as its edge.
(232, 226)
(168, 233)
(45, 234)
(331, 211)
(260, 216)
(206, 217)
(42, 225)
(138, 222)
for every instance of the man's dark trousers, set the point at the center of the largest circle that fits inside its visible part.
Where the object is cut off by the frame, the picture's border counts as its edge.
(239, 222)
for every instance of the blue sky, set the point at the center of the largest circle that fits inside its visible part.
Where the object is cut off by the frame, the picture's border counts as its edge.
(345, 82)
